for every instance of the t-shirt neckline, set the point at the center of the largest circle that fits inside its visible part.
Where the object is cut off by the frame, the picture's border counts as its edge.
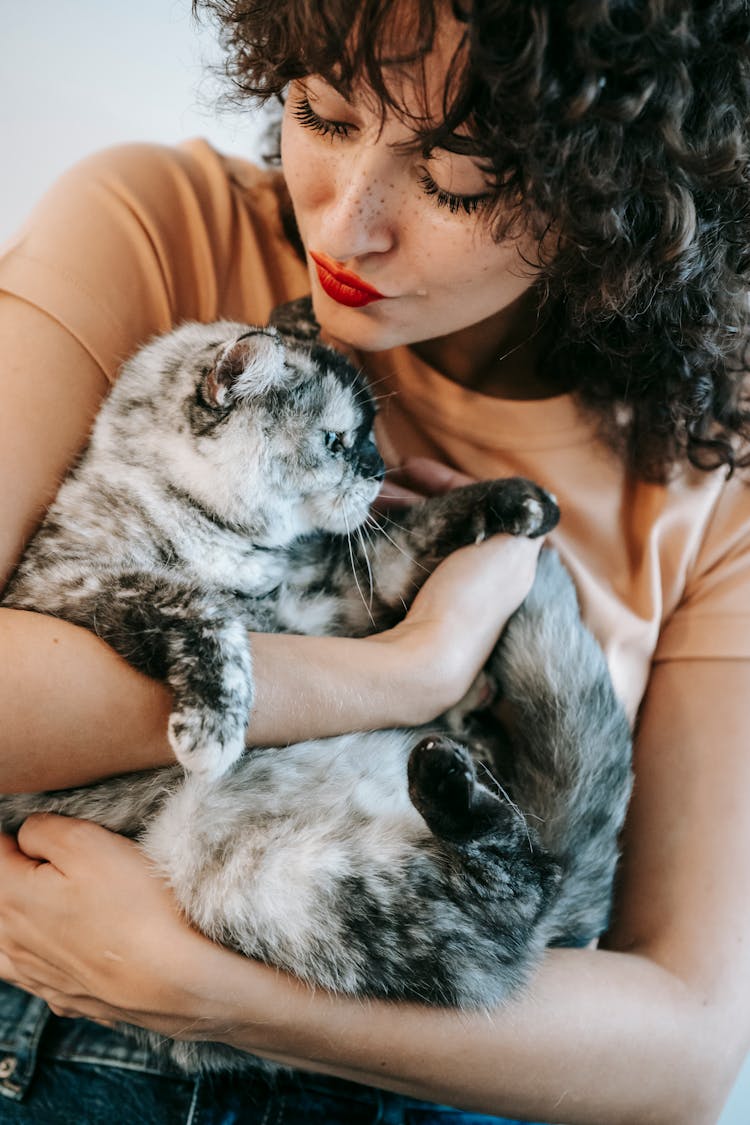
(441, 405)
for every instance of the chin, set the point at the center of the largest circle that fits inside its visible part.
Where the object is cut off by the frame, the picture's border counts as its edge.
(368, 329)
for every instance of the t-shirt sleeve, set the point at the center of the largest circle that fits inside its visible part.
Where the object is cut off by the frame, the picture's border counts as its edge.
(138, 238)
(712, 620)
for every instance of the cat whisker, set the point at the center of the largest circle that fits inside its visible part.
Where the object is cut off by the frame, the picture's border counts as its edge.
(381, 398)
(506, 796)
(363, 545)
(375, 383)
(379, 527)
(354, 568)
(394, 523)
(365, 529)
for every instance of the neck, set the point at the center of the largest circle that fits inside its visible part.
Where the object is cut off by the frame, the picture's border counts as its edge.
(498, 356)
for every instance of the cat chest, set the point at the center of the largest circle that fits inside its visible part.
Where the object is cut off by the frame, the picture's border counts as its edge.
(253, 574)
(312, 612)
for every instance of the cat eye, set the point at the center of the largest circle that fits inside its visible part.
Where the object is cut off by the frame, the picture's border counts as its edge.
(334, 442)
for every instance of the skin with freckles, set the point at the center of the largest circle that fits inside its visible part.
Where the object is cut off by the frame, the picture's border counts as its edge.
(412, 228)
(651, 1028)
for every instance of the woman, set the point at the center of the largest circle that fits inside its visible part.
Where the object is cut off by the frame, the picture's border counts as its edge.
(551, 202)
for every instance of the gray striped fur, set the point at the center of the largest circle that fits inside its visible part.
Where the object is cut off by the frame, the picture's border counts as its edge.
(223, 479)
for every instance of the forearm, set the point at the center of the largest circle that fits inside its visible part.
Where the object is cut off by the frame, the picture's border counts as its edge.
(315, 687)
(598, 1037)
(74, 711)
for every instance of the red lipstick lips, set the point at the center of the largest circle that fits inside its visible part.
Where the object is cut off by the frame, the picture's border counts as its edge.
(343, 285)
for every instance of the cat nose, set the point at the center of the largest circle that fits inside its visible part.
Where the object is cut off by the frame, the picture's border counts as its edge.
(371, 464)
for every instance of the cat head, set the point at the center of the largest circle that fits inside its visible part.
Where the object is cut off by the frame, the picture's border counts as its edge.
(265, 428)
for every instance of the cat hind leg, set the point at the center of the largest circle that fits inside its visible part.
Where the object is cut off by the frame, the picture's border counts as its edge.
(570, 764)
(445, 790)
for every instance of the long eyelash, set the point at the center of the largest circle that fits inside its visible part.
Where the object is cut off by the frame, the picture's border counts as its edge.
(455, 203)
(303, 112)
(306, 115)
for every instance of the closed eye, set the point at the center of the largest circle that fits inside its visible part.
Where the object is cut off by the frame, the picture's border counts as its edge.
(307, 116)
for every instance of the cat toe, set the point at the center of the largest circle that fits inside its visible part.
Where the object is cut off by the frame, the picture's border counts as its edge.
(538, 512)
(543, 513)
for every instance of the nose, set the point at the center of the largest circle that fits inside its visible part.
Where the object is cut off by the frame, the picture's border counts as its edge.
(361, 216)
(371, 463)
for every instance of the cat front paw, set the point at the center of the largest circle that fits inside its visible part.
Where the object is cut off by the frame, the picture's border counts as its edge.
(518, 506)
(205, 742)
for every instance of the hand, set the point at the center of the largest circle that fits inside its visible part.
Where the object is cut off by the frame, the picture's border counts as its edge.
(457, 617)
(85, 925)
(417, 479)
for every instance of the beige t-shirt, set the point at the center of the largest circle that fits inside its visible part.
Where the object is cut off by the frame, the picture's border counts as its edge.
(141, 237)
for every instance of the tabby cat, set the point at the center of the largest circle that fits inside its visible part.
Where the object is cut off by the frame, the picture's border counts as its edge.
(225, 478)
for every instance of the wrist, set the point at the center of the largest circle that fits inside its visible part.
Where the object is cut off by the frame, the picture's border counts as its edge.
(420, 678)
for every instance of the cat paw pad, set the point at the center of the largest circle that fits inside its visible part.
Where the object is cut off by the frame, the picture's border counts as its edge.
(441, 777)
(443, 787)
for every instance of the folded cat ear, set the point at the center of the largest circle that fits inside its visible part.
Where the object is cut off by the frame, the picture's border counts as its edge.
(248, 366)
(296, 319)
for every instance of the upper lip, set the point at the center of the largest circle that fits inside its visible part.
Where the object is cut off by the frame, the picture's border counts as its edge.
(346, 277)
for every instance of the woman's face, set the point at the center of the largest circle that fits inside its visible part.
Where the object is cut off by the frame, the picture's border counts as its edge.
(410, 228)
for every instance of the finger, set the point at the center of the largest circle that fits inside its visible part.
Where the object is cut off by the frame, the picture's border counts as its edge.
(8, 971)
(63, 1011)
(40, 836)
(431, 476)
(8, 848)
(32, 974)
(13, 861)
(61, 840)
(515, 556)
(393, 496)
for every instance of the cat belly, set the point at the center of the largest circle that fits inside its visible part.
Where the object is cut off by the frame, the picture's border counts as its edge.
(260, 859)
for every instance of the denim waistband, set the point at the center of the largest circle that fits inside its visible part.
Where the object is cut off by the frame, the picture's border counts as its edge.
(22, 1021)
(28, 1029)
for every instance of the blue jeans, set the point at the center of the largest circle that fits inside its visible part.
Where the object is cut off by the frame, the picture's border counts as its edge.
(57, 1071)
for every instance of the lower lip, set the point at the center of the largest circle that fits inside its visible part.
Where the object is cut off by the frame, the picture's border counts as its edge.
(342, 293)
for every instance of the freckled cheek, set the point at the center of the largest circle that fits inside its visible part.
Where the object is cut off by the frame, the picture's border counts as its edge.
(309, 170)
(446, 250)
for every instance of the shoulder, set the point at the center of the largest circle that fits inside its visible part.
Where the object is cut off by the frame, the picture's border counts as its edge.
(184, 186)
(139, 237)
(155, 177)
(712, 617)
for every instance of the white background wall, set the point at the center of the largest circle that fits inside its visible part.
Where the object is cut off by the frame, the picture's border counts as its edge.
(77, 75)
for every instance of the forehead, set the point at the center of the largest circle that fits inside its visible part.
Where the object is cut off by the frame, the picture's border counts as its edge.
(332, 387)
(418, 65)
(338, 404)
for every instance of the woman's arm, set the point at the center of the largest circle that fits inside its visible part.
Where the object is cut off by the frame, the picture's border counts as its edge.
(74, 711)
(651, 1029)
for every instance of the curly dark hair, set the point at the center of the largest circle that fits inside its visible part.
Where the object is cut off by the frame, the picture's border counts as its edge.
(621, 124)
